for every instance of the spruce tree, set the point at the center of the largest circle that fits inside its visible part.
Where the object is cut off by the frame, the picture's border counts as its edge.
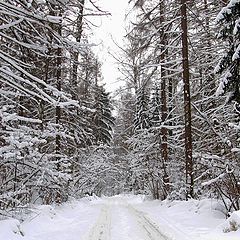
(142, 118)
(228, 66)
(103, 120)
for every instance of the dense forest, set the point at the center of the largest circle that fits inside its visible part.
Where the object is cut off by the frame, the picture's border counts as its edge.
(176, 129)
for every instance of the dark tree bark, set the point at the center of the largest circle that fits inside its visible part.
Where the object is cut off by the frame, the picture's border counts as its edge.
(58, 109)
(58, 114)
(75, 55)
(187, 102)
(164, 110)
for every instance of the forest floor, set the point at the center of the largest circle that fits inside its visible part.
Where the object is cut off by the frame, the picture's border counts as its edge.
(124, 217)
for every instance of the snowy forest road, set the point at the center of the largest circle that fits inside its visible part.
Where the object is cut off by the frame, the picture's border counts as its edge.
(151, 228)
(121, 217)
(102, 229)
(120, 220)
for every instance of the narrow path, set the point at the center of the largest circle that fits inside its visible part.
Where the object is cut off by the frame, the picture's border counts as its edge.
(119, 220)
(102, 229)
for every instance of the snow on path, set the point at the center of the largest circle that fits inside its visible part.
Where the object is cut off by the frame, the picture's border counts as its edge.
(189, 220)
(151, 229)
(120, 220)
(101, 230)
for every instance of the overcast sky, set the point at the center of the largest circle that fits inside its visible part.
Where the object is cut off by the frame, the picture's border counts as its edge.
(110, 27)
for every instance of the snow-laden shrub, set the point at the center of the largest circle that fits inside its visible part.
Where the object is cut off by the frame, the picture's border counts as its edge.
(232, 223)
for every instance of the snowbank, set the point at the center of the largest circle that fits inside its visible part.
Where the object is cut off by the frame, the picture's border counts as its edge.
(10, 230)
(233, 223)
(193, 219)
(70, 221)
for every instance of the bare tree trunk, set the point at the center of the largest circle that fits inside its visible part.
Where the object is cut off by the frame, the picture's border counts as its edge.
(164, 130)
(58, 109)
(170, 104)
(58, 113)
(78, 36)
(15, 183)
(59, 88)
(41, 106)
(187, 102)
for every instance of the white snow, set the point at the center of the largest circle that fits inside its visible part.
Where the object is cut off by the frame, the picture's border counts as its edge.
(125, 217)
(29, 4)
(236, 27)
(226, 10)
(236, 54)
(223, 82)
(213, 180)
(220, 16)
(232, 3)
(54, 19)
(233, 223)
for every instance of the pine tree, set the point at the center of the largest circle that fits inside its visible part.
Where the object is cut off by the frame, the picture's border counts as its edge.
(155, 108)
(228, 67)
(142, 118)
(103, 120)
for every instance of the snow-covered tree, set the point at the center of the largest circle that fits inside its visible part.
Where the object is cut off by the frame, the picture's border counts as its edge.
(102, 118)
(44, 122)
(229, 21)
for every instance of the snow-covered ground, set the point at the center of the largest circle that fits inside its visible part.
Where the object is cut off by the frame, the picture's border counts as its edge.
(124, 217)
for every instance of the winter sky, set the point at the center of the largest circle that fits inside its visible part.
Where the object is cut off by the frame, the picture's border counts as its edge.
(110, 28)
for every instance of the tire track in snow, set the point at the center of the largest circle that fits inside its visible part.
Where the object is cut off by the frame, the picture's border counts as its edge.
(150, 228)
(101, 230)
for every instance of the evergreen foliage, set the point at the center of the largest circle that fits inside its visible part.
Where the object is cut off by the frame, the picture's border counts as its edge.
(228, 67)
